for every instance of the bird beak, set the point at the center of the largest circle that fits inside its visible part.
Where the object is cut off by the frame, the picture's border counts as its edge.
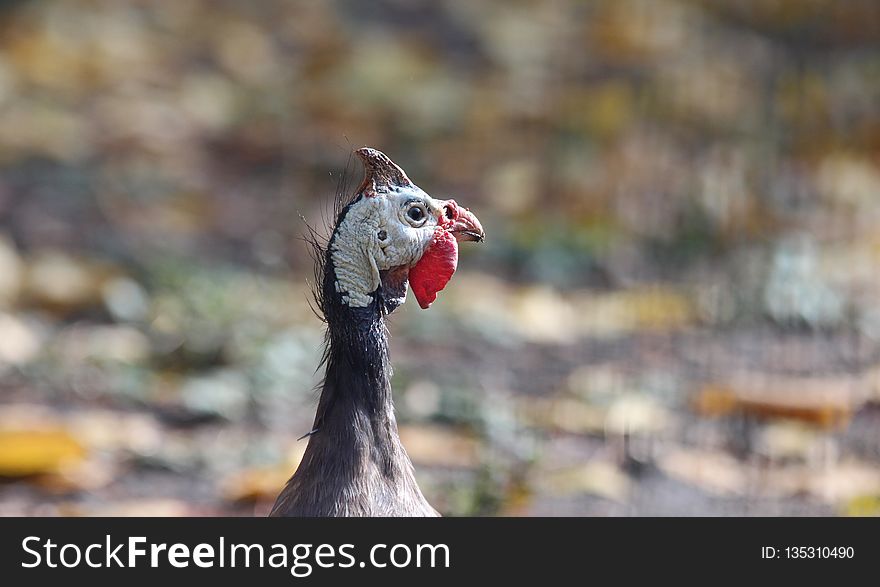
(462, 223)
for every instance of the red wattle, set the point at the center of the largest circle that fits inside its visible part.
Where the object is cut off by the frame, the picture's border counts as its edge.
(434, 270)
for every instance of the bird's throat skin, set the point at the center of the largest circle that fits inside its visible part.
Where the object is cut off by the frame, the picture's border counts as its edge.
(355, 464)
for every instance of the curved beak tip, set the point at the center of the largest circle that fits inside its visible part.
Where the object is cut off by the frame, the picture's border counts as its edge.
(467, 227)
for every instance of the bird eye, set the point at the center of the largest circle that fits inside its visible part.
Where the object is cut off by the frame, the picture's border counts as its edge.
(416, 214)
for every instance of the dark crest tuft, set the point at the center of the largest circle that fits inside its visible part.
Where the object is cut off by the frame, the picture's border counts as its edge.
(380, 173)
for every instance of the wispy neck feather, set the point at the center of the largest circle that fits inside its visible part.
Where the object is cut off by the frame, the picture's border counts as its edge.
(358, 372)
(354, 464)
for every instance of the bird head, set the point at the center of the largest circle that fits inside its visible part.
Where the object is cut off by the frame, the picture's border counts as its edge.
(393, 234)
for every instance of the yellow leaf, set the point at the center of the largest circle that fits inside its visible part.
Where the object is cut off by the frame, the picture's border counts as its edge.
(863, 506)
(34, 452)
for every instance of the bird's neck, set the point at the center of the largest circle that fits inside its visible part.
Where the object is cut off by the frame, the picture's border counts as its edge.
(354, 463)
(357, 383)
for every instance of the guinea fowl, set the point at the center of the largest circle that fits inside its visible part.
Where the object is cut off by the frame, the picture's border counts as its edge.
(389, 235)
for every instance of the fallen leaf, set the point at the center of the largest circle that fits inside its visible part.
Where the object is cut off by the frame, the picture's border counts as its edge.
(827, 403)
(33, 452)
(863, 506)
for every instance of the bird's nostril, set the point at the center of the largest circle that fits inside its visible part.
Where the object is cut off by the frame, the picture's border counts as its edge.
(449, 212)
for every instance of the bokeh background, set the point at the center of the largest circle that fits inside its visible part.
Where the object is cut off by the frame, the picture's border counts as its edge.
(675, 313)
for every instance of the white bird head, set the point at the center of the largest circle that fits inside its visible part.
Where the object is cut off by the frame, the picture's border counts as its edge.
(393, 233)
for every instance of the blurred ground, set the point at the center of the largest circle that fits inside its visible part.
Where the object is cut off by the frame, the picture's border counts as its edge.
(675, 312)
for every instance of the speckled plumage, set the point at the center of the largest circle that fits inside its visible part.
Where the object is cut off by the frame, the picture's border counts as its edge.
(358, 252)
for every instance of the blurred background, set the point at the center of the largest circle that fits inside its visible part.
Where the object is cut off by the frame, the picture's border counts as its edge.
(675, 313)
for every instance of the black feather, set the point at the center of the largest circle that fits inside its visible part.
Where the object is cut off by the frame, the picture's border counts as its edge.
(354, 463)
